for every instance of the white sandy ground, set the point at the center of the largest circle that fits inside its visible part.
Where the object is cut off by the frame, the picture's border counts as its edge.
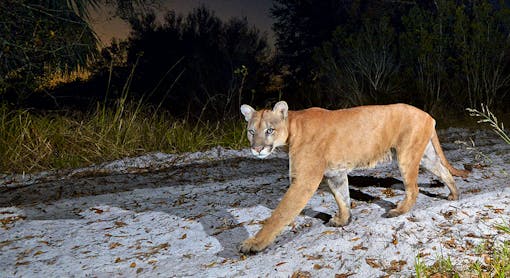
(172, 216)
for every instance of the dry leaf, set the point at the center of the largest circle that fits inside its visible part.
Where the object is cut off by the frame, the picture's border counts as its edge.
(448, 214)
(114, 245)
(312, 257)
(395, 239)
(395, 266)
(344, 275)
(329, 232)
(499, 210)
(117, 260)
(317, 266)
(421, 255)
(388, 192)
(96, 210)
(9, 220)
(301, 274)
(184, 236)
(486, 259)
(450, 243)
(210, 264)
(359, 247)
(132, 265)
(119, 224)
(372, 262)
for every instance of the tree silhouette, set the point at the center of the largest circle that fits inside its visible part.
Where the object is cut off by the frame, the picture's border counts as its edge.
(302, 26)
(192, 64)
(39, 37)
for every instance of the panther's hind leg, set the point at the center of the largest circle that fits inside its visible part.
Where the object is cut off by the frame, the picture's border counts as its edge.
(432, 162)
(409, 157)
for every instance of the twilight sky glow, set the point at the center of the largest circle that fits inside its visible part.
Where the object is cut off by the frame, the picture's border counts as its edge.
(257, 13)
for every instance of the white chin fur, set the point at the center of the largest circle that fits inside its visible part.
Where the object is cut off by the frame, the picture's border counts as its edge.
(263, 154)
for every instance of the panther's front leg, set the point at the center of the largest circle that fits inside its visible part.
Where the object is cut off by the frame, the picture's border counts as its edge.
(305, 182)
(339, 185)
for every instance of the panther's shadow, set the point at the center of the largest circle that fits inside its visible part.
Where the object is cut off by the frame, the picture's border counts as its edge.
(356, 183)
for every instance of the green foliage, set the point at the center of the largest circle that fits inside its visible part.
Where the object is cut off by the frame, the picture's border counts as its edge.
(442, 267)
(433, 54)
(481, 39)
(300, 26)
(39, 37)
(426, 51)
(193, 62)
(494, 257)
(494, 261)
(32, 142)
(359, 67)
(457, 51)
(420, 268)
(37, 34)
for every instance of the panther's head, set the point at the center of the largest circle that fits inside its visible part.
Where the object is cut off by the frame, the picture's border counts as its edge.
(267, 129)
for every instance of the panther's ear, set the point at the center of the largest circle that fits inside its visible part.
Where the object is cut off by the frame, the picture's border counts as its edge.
(281, 108)
(247, 111)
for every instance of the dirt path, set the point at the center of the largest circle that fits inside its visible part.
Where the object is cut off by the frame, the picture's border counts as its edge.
(188, 219)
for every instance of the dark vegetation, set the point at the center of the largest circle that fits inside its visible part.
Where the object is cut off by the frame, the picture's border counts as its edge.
(191, 72)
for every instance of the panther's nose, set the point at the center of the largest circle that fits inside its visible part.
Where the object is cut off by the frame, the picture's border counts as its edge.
(257, 149)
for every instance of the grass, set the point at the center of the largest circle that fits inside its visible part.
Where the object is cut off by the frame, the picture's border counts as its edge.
(494, 261)
(442, 267)
(486, 116)
(494, 258)
(31, 142)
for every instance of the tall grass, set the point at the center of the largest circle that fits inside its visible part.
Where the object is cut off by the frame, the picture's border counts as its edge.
(493, 261)
(486, 116)
(43, 141)
(32, 142)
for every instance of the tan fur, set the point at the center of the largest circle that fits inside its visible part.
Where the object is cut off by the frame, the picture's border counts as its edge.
(326, 143)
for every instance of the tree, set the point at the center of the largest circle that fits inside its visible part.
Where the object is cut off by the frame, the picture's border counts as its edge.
(197, 64)
(303, 26)
(39, 36)
(427, 50)
(300, 27)
(481, 37)
(457, 52)
(359, 67)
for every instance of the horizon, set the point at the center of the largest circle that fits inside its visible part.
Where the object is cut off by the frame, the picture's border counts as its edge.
(108, 26)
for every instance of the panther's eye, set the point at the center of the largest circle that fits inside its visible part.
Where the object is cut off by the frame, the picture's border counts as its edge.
(269, 131)
(251, 131)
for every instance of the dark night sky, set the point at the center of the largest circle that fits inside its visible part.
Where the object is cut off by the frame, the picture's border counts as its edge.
(257, 13)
